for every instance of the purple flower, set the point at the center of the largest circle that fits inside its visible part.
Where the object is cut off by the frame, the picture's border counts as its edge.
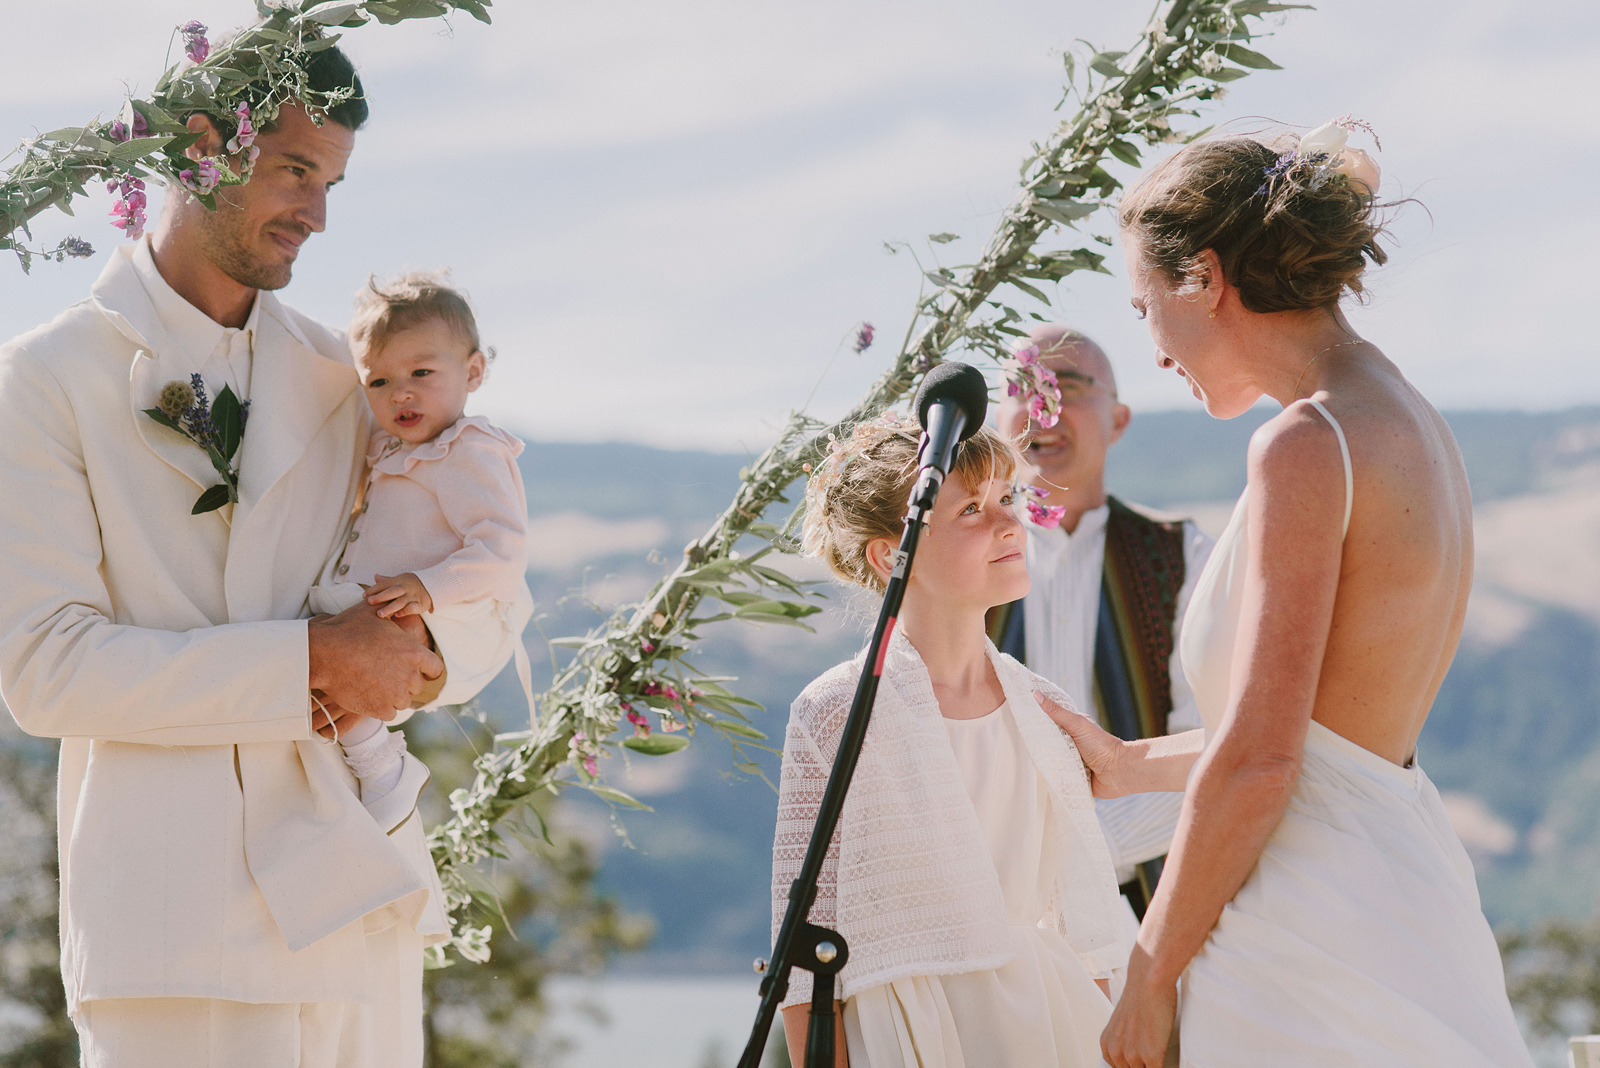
(863, 339)
(195, 45)
(245, 138)
(77, 248)
(120, 132)
(127, 214)
(1046, 515)
(202, 178)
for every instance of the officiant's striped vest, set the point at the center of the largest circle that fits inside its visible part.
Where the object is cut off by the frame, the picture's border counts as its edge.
(1141, 580)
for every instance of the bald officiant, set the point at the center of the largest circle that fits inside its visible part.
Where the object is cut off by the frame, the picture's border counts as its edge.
(1110, 584)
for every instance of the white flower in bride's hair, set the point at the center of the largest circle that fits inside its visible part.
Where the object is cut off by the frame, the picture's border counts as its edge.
(1330, 137)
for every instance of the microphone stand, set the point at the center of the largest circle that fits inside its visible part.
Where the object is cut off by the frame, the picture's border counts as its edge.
(800, 943)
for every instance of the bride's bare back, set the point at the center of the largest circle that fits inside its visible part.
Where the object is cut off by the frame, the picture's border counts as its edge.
(1406, 569)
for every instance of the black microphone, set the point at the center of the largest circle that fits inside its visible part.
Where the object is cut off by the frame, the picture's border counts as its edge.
(951, 405)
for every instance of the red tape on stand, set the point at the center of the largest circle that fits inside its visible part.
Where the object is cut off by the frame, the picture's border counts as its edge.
(888, 632)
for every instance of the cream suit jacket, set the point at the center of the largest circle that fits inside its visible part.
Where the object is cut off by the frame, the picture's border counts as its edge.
(211, 844)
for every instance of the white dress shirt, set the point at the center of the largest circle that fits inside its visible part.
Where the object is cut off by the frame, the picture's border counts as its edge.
(231, 350)
(1060, 617)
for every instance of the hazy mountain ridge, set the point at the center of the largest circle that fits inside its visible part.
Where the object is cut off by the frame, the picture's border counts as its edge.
(1514, 739)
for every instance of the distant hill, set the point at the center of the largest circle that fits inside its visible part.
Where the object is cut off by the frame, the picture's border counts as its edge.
(1514, 738)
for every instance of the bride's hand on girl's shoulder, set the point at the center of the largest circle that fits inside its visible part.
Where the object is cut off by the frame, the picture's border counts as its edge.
(1103, 753)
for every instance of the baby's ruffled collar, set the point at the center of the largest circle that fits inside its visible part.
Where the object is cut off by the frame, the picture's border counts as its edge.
(389, 454)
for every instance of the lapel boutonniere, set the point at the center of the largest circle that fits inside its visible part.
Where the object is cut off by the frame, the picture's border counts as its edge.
(217, 428)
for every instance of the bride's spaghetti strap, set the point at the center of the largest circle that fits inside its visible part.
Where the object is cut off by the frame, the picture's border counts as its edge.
(1349, 472)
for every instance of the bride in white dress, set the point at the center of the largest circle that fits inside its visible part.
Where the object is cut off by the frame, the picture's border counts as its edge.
(1316, 910)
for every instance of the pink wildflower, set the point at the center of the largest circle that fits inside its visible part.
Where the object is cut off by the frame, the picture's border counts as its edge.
(863, 339)
(202, 178)
(1046, 515)
(640, 721)
(668, 725)
(592, 766)
(195, 45)
(245, 139)
(127, 214)
(648, 647)
(120, 132)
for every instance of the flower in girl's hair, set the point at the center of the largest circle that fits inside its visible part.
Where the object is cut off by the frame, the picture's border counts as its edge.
(1026, 375)
(863, 339)
(1046, 515)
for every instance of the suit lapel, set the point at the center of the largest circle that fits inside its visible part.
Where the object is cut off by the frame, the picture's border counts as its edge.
(294, 391)
(121, 298)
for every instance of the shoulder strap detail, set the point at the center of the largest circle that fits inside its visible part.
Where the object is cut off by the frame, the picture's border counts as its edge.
(1349, 471)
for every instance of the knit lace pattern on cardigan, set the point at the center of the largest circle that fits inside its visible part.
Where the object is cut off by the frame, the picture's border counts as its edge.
(908, 879)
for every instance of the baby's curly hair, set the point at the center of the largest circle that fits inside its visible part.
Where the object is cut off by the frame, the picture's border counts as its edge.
(859, 492)
(1296, 240)
(384, 308)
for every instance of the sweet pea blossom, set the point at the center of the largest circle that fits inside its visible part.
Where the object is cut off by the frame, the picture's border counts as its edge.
(641, 722)
(1027, 376)
(120, 132)
(127, 214)
(245, 139)
(202, 178)
(195, 45)
(1046, 515)
(863, 339)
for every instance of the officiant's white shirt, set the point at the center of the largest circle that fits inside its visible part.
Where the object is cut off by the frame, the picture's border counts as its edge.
(211, 845)
(1060, 616)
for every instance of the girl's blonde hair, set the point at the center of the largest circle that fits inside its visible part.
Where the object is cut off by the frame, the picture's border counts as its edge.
(859, 493)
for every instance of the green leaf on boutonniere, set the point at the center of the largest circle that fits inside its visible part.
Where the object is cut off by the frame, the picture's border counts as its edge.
(228, 414)
(210, 500)
(164, 419)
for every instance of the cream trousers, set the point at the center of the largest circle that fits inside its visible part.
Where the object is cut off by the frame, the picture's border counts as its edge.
(383, 1032)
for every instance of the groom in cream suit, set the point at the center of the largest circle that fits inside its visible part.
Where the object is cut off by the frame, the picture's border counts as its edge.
(227, 902)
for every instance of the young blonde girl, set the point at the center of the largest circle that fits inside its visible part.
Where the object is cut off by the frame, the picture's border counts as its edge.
(968, 873)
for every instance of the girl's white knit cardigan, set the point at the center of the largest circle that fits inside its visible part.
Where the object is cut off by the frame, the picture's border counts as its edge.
(908, 880)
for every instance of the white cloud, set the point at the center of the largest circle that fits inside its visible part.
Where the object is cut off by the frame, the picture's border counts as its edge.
(670, 214)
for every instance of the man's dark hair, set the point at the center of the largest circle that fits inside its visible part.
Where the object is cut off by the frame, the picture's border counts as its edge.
(331, 71)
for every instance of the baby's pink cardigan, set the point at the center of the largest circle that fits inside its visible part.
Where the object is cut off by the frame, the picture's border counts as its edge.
(452, 510)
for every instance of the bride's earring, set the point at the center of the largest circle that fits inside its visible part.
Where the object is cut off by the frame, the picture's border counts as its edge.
(1213, 315)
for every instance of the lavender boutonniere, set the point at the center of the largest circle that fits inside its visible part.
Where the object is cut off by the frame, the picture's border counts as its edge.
(217, 428)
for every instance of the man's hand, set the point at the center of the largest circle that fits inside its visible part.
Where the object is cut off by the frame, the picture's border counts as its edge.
(369, 666)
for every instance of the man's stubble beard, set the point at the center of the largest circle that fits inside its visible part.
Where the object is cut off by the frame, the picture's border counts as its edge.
(222, 231)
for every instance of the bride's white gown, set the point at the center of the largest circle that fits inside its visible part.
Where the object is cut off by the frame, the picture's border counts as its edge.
(1358, 941)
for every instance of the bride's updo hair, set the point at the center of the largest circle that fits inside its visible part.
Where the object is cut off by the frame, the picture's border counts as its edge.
(1289, 238)
(859, 492)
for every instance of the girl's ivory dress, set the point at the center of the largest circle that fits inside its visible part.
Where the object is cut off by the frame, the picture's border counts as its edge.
(968, 875)
(1040, 1008)
(1358, 940)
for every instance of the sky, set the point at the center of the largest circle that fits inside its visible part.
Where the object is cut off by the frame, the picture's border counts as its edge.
(671, 214)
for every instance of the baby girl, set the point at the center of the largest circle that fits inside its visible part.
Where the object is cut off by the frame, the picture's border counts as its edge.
(441, 521)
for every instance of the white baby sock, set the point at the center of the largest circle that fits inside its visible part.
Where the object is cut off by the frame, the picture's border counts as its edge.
(375, 754)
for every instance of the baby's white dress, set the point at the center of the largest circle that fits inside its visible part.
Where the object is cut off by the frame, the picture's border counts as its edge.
(1042, 1008)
